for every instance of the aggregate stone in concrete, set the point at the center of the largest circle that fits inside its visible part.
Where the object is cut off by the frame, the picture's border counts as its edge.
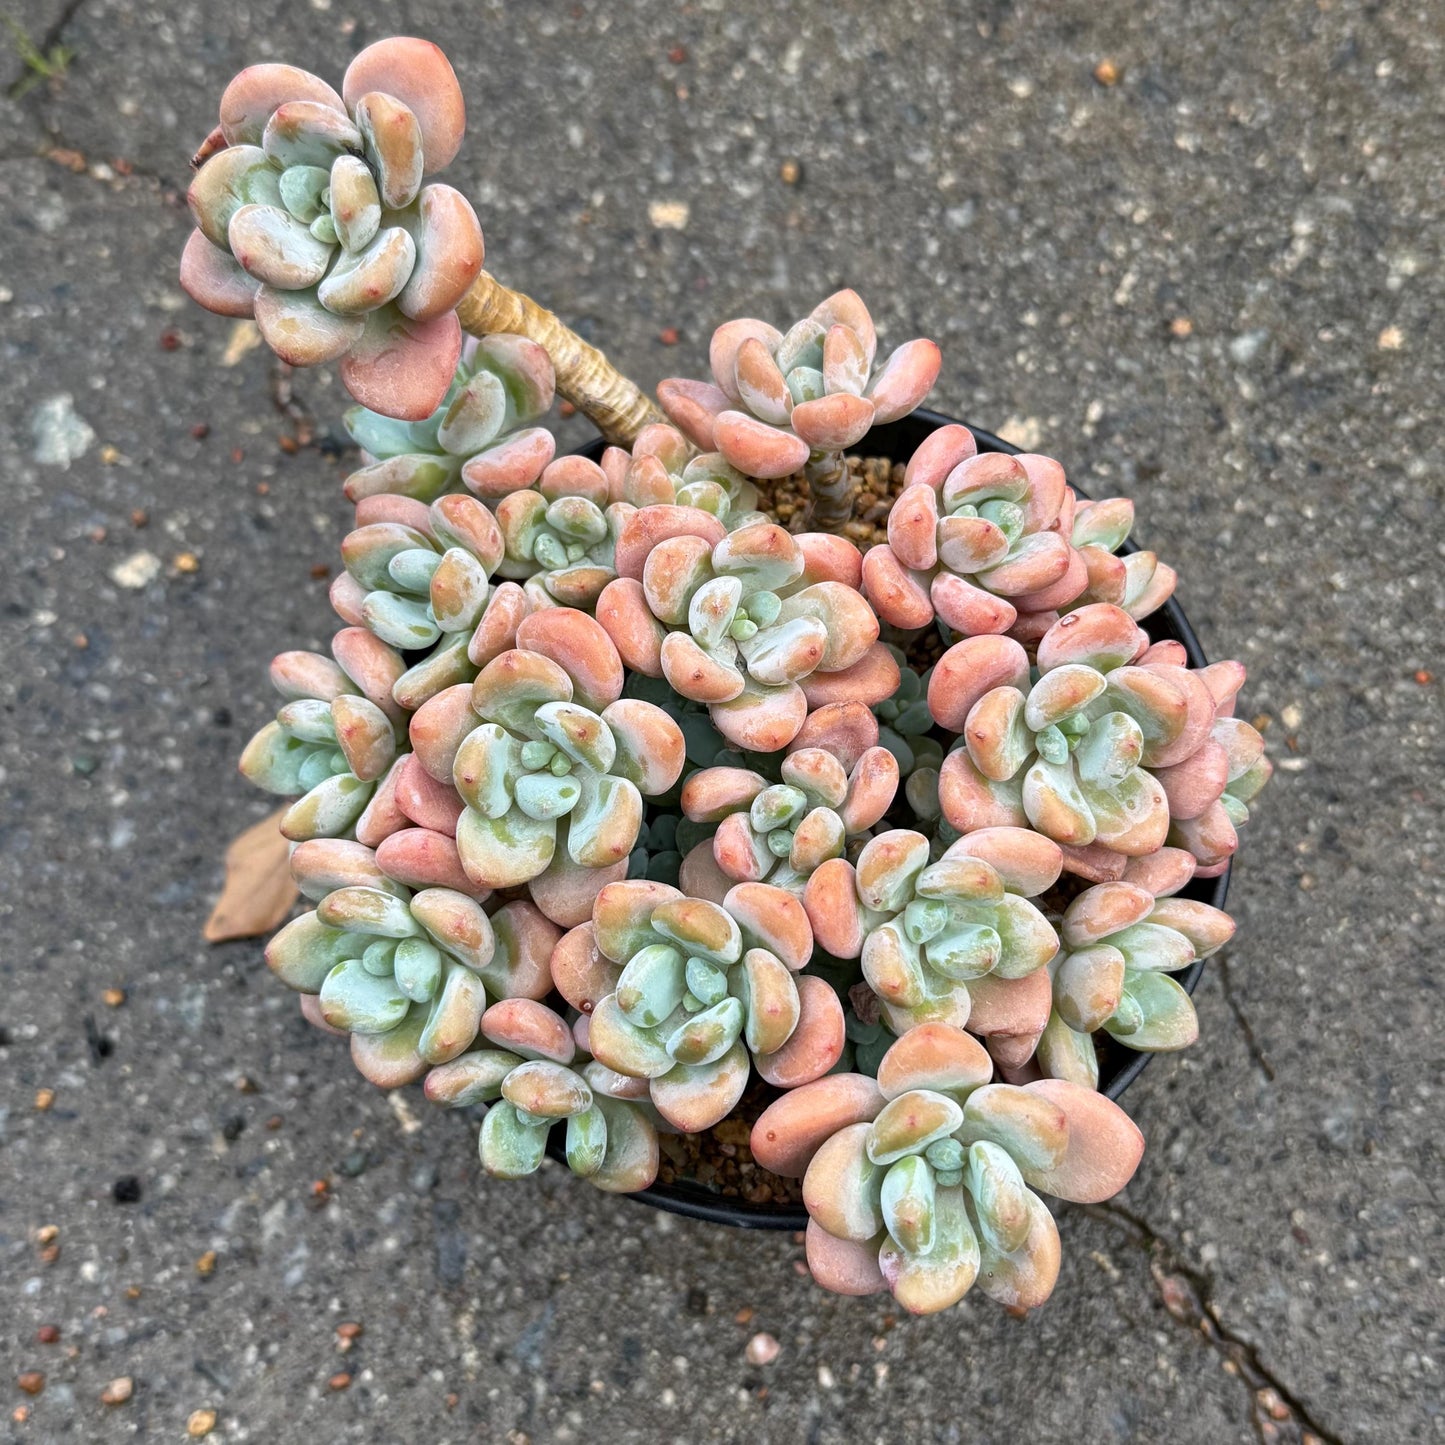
(1212, 285)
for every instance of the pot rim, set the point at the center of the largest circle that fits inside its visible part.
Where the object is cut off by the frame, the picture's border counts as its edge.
(1168, 620)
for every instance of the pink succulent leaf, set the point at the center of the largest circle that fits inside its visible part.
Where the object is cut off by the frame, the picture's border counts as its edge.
(904, 379)
(254, 95)
(695, 407)
(402, 368)
(211, 277)
(418, 74)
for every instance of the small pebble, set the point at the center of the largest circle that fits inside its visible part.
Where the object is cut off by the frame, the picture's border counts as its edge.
(113, 997)
(186, 562)
(32, 1382)
(339, 1381)
(1391, 339)
(48, 1334)
(200, 1423)
(118, 1391)
(1181, 328)
(669, 215)
(354, 1164)
(136, 571)
(126, 1190)
(790, 172)
(762, 1349)
(44, 1098)
(48, 1233)
(1106, 72)
(206, 1264)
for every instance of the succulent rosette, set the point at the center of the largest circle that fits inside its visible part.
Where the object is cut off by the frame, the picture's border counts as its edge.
(480, 437)
(312, 216)
(932, 934)
(688, 994)
(419, 578)
(1201, 824)
(1139, 583)
(560, 536)
(562, 531)
(1098, 747)
(336, 734)
(404, 974)
(748, 622)
(528, 1068)
(990, 543)
(778, 398)
(924, 1182)
(1119, 944)
(663, 469)
(550, 761)
(780, 832)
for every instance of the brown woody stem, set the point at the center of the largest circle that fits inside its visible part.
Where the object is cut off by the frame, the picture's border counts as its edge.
(831, 490)
(618, 407)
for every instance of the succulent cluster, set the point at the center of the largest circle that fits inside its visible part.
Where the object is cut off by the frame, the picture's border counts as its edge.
(312, 217)
(923, 1182)
(782, 402)
(989, 543)
(615, 794)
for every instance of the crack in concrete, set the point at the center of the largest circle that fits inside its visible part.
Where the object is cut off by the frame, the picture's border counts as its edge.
(1226, 982)
(1187, 1293)
(47, 42)
(51, 144)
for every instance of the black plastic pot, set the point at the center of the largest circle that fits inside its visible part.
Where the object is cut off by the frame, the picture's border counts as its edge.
(1119, 1066)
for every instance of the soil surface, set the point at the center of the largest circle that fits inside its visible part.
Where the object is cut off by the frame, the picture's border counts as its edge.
(875, 483)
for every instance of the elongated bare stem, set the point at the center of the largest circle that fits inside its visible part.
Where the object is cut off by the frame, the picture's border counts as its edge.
(585, 377)
(831, 489)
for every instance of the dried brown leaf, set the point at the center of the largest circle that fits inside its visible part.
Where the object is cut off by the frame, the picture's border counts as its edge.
(259, 892)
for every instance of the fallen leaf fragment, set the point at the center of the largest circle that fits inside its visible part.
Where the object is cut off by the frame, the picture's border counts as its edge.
(259, 892)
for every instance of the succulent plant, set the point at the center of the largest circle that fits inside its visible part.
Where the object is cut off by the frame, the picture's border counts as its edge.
(930, 932)
(1207, 828)
(931, 1186)
(558, 757)
(419, 577)
(405, 974)
(781, 403)
(534, 1077)
(495, 810)
(336, 734)
(312, 217)
(1097, 748)
(990, 543)
(737, 620)
(1119, 944)
(561, 535)
(480, 437)
(684, 992)
(780, 832)
(662, 469)
(1139, 583)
